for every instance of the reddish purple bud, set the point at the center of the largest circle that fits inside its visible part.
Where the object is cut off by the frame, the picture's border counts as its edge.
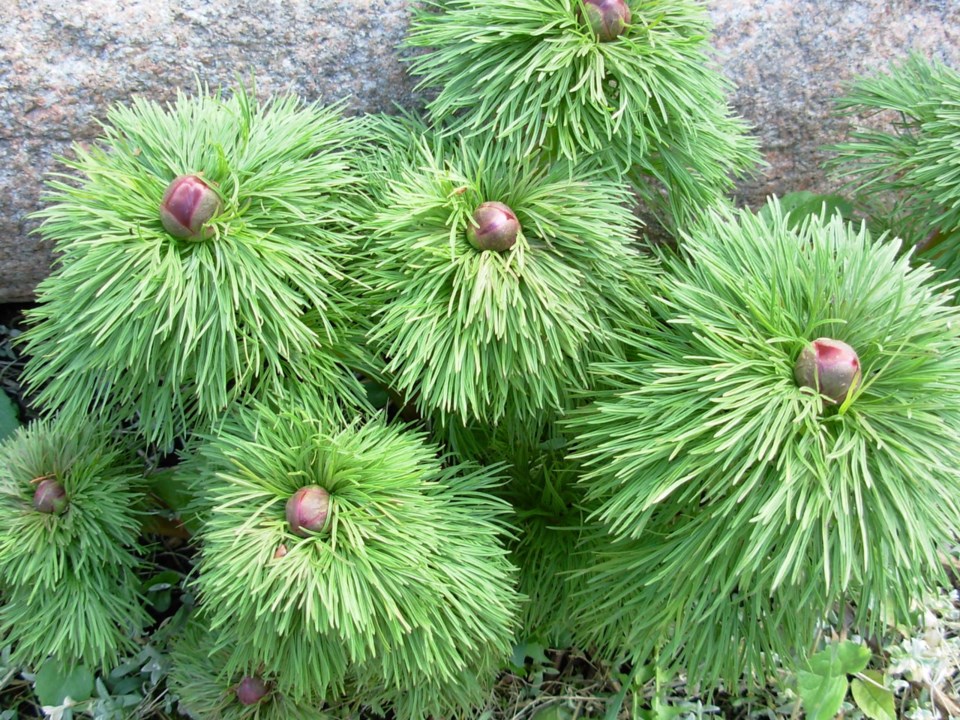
(50, 497)
(830, 367)
(494, 227)
(251, 690)
(607, 18)
(187, 206)
(307, 510)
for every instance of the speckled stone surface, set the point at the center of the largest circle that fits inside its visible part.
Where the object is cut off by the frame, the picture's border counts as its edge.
(62, 65)
(790, 58)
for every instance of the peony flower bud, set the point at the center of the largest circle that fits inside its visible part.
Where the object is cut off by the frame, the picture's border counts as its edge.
(830, 367)
(307, 510)
(606, 18)
(251, 690)
(50, 497)
(187, 206)
(494, 227)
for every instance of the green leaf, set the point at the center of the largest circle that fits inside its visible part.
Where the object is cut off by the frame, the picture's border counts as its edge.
(554, 712)
(873, 698)
(840, 659)
(853, 657)
(8, 416)
(158, 589)
(803, 203)
(377, 395)
(822, 696)
(55, 683)
(531, 650)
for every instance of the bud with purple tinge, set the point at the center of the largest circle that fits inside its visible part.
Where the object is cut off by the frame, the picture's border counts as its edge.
(251, 690)
(187, 206)
(494, 227)
(607, 18)
(307, 510)
(830, 367)
(50, 497)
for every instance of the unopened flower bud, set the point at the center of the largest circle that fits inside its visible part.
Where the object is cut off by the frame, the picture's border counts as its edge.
(607, 18)
(307, 510)
(251, 690)
(50, 497)
(187, 206)
(830, 367)
(494, 227)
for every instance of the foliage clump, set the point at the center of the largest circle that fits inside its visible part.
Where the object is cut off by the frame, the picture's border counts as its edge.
(742, 506)
(906, 178)
(473, 336)
(645, 105)
(68, 578)
(166, 332)
(407, 587)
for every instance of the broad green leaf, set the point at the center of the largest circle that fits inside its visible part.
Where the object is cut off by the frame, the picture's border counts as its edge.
(853, 657)
(839, 659)
(822, 696)
(377, 396)
(531, 650)
(8, 416)
(801, 204)
(875, 700)
(663, 711)
(158, 589)
(54, 683)
(826, 663)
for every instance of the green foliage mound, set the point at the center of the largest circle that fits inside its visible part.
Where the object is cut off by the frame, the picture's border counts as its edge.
(742, 507)
(474, 336)
(206, 694)
(533, 74)
(165, 332)
(907, 179)
(408, 586)
(68, 578)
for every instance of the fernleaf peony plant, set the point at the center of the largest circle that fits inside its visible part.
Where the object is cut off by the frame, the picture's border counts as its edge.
(642, 103)
(905, 176)
(741, 504)
(71, 501)
(164, 330)
(471, 334)
(682, 459)
(404, 583)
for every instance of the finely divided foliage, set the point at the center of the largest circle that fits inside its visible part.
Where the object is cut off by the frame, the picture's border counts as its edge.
(531, 72)
(625, 459)
(56, 568)
(409, 587)
(474, 335)
(197, 679)
(168, 332)
(909, 178)
(732, 493)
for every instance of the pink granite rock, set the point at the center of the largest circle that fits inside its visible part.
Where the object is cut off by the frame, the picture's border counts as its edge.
(790, 58)
(62, 66)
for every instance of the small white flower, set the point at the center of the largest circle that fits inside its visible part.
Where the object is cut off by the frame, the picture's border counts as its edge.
(55, 712)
